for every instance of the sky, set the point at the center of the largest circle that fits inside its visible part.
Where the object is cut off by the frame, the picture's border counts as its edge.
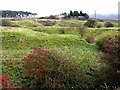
(54, 7)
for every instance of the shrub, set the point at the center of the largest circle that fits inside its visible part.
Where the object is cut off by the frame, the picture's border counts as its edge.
(6, 22)
(111, 51)
(100, 41)
(90, 39)
(7, 82)
(108, 24)
(99, 26)
(111, 57)
(90, 23)
(3, 78)
(47, 69)
(110, 46)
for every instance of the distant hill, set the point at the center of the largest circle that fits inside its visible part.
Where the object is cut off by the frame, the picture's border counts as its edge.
(107, 16)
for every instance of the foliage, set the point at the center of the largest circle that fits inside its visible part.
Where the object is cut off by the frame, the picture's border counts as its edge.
(13, 66)
(77, 14)
(9, 13)
(90, 23)
(69, 49)
(48, 69)
(5, 85)
(103, 38)
(4, 80)
(108, 24)
(110, 46)
(6, 22)
(99, 25)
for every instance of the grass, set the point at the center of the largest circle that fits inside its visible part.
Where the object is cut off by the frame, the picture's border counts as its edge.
(25, 40)
(11, 59)
(17, 42)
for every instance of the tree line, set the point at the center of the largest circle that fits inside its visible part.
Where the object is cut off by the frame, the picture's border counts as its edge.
(75, 14)
(16, 14)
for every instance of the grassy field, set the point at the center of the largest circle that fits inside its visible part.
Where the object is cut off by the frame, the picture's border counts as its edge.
(64, 38)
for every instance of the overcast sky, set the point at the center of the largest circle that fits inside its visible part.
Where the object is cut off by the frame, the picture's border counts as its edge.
(52, 7)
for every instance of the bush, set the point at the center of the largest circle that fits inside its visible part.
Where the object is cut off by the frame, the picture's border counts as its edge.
(6, 22)
(90, 23)
(103, 38)
(111, 51)
(111, 57)
(47, 69)
(99, 26)
(3, 78)
(111, 47)
(7, 82)
(108, 24)
(90, 39)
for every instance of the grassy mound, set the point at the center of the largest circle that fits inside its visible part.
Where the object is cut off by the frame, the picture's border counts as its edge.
(26, 39)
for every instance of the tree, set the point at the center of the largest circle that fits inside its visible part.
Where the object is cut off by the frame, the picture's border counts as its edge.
(9, 13)
(71, 13)
(81, 14)
(76, 13)
(64, 13)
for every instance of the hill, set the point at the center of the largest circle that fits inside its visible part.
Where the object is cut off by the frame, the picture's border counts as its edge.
(105, 16)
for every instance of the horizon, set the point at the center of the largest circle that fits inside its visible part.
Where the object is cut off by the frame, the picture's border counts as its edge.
(47, 8)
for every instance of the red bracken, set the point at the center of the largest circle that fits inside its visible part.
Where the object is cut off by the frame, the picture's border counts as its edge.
(3, 78)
